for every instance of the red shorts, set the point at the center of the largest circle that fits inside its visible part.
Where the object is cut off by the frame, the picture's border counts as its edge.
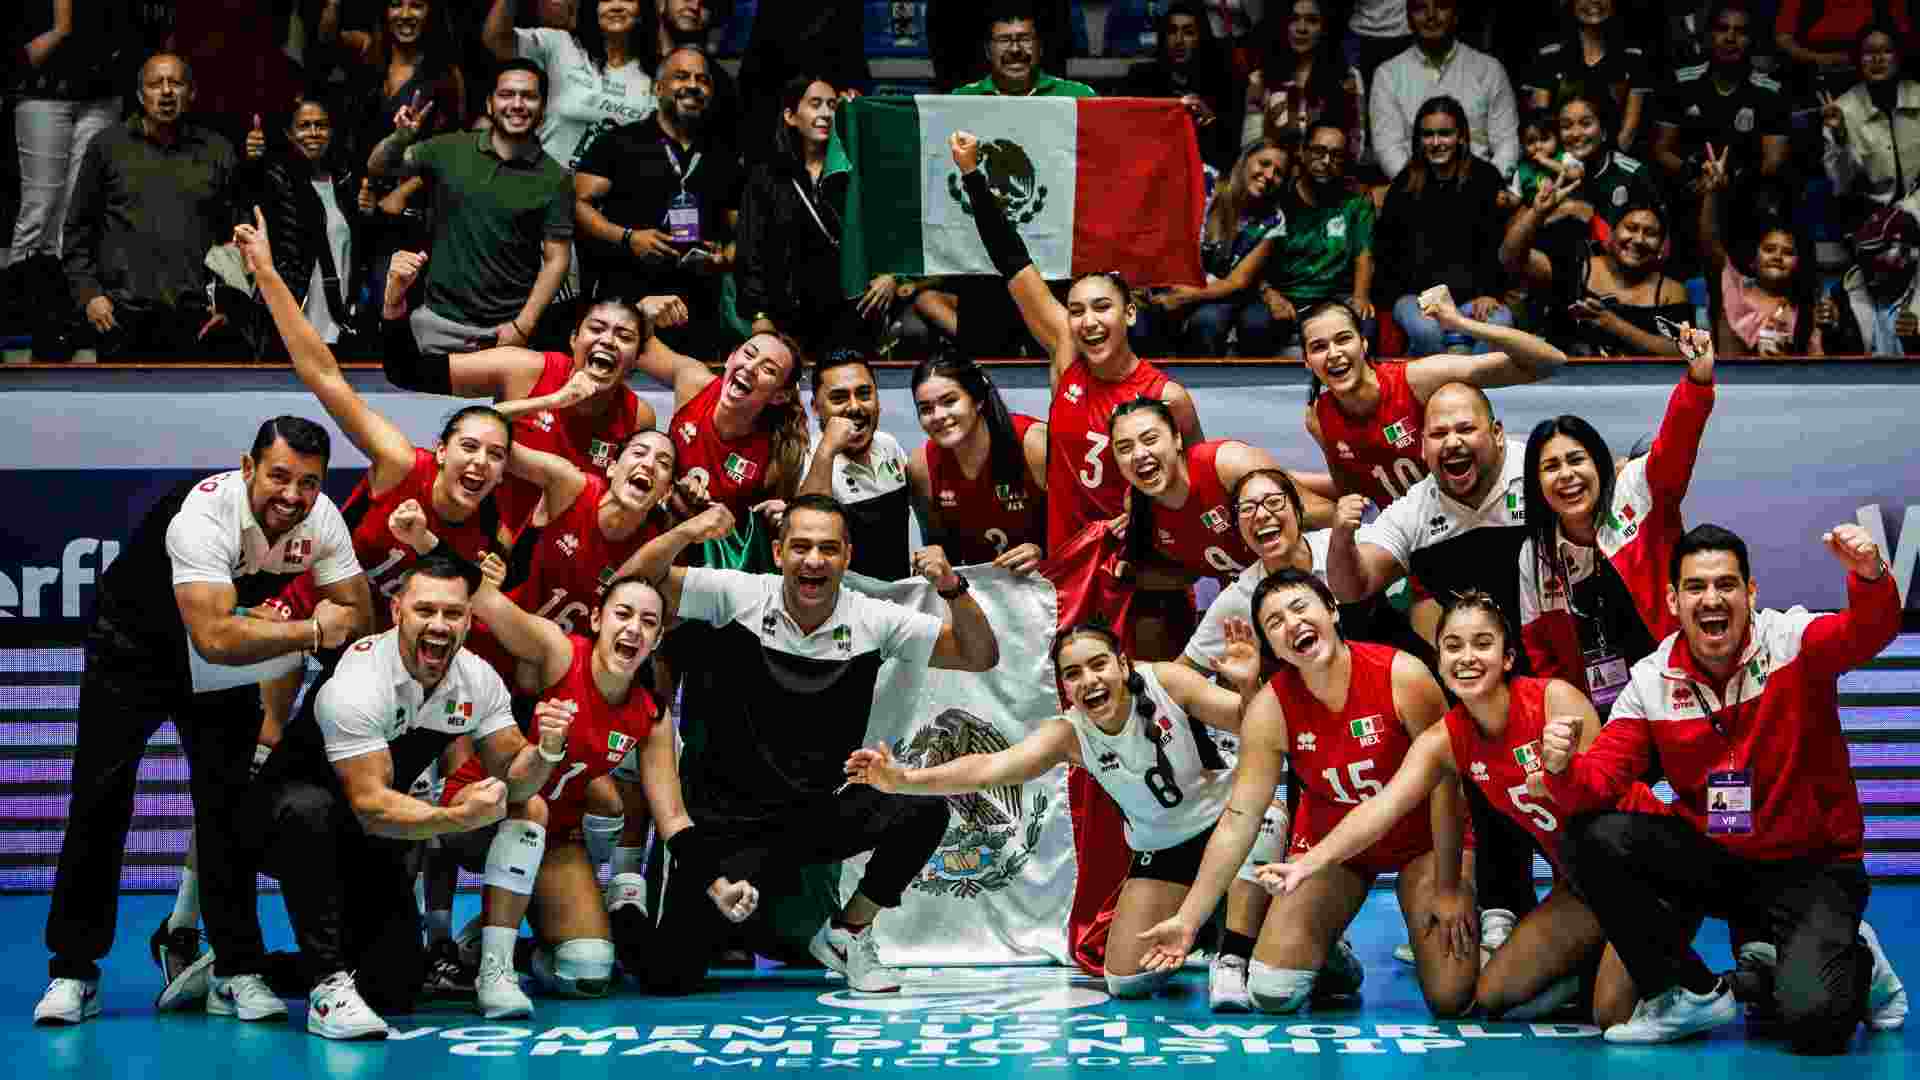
(1410, 837)
(563, 817)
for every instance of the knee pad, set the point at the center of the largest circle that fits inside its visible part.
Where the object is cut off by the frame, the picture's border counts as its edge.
(602, 833)
(1270, 844)
(513, 858)
(578, 967)
(1278, 990)
(1139, 985)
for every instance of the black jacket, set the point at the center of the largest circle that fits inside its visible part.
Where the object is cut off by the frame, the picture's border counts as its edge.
(297, 228)
(788, 267)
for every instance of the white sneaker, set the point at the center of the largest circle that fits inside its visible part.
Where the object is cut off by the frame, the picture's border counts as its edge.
(68, 1001)
(1674, 1015)
(245, 996)
(190, 987)
(1227, 985)
(1496, 926)
(1887, 997)
(1341, 975)
(497, 991)
(856, 956)
(335, 1011)
(1403, 952)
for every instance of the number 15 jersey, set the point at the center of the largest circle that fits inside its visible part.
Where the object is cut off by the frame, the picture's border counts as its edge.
(1167, 777)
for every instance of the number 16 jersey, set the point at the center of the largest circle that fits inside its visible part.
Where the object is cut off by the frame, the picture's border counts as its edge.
(1167, 777)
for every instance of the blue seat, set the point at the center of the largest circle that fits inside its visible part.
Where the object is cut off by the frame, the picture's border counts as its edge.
(896, 28)
(739, 29)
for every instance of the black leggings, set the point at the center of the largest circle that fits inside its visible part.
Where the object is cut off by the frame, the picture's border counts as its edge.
(902, 831)
(1650, 879)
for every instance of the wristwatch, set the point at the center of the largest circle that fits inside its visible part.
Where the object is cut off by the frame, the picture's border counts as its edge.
(957, 590)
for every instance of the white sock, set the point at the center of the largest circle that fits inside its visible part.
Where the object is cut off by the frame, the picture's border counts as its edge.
(439, 926)
(626, 860)
(496, 942)
(186, 902)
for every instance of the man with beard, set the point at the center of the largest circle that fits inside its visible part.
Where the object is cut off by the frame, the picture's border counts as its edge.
(1326, 253)
(657, 202)
(1738, 711)
(334, 823)
(502, 237)
(687, 22)
(1439, 63)
(171, 639)
(857, 463)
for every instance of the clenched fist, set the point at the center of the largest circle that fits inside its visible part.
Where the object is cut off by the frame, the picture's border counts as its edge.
(481, 803)
(1558, 740)
(552, 720)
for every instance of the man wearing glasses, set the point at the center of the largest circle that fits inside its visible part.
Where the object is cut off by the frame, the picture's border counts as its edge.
(1327, 251)
(1013, 60)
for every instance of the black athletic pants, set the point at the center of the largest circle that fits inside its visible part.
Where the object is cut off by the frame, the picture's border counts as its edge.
(902, 831)
(1650, 879)
(348, 895)
(125, 694)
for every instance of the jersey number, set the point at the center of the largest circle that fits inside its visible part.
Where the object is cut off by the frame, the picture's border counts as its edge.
(573, 770)
(394, 555)
(1160, 782)
(1096, 445)
(999, 541)
(1407, 472)
(1541, 815)
(1364, 785)
(564, 618)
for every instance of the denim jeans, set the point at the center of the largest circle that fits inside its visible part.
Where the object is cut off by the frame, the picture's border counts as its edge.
(1424, 336)
(53, 137)
(1208, 325)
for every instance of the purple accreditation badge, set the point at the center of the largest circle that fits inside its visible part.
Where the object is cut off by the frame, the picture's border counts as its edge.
(1730, 802)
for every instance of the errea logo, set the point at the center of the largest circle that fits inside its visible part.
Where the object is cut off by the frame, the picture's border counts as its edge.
(543, 420)
(1479, 771)
(1305, 741)
(688, 432)
(1074, 392)
(569, 544)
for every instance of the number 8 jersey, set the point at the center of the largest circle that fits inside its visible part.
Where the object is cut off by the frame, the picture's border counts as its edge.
(1167, 777)
(1341, 759)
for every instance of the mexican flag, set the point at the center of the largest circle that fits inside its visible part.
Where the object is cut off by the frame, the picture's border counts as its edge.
(1091, 184)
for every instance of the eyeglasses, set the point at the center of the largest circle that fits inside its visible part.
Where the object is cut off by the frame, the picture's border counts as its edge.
(1008, 41)
(1323, 153)
(1438, 133)
(1275, 504)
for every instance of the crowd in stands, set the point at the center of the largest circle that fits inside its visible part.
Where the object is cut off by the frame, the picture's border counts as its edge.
(1590, 169)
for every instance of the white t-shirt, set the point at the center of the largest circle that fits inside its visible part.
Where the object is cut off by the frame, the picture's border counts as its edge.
(582, 100)
(372, 703)
(1236, 600)
(215, 539)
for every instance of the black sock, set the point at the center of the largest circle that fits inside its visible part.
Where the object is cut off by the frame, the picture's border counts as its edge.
(1233, 944)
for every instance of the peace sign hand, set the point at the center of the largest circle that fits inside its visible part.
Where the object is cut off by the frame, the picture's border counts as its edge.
(412, 115)
(1713, 170)
(1831, 116)
(1549, 197)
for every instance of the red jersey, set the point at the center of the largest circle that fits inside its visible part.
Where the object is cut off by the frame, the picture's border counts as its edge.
(982, 518)
(1203, 536)
(1083, 483)
(735, 472)
(1378, 455)
(1340, 760)
(589, 441)
(382, 553)
(599, 738)
(1501, 764)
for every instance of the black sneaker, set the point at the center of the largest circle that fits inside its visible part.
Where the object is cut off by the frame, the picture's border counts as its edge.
(184, 971)
(632, 937)
(446, 975)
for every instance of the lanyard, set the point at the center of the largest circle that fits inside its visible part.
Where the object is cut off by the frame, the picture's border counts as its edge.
(808, 203)
(673, 158)
(1723, 729)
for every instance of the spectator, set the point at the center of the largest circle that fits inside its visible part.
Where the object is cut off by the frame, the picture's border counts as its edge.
(1441, 224)
(312, 204)
(68, 92)
(501, 239)
(825, 37)
(1722, 100)
(1611, 180)
(789, 248)
(153, 195)
(1873, 130)
(955, 27)
(1821, 38)
(408, 58)
(658, 201)
(1326, 252)
(1014, 52)
(1592, 58)
(555, 14)
(688, 22)
(1238, 232)
(1601, 299)
(1436, 64)
(1875, 309)
(1302, 80)
(1767, 306)
(1188, 63)
(1542, 160)
(597, 71)
(1376, 32)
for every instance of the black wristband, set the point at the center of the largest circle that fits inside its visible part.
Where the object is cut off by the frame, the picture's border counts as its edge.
(693, 852)
(406, 368)
(1004, 246)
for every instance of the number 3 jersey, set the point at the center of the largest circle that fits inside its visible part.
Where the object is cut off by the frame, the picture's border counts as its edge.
(1169, 780)
(1083, 483)
(1343, 758)
(601, 737)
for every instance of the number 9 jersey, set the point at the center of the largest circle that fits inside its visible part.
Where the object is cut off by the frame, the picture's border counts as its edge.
(1169, 780)
(1341, 759)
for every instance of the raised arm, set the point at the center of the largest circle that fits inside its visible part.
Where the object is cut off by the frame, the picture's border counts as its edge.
(678, 372)
(1517, 252)
(966, 641)
(528, 637)
(1520, 357)
(496, 33)
(1236, 459)
(1025, 760)
(1046, 320)
(1357, 569)
(657, 555)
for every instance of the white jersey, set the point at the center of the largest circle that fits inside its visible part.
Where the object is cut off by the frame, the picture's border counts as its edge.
(1170, 782)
